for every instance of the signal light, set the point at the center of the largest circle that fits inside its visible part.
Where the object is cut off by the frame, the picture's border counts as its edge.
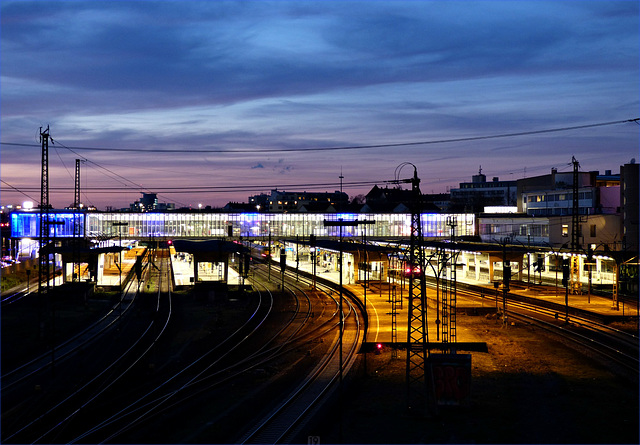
(415, 271)
(379, 347)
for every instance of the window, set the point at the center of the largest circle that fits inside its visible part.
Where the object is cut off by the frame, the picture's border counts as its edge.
(565, 230)
(592, 231)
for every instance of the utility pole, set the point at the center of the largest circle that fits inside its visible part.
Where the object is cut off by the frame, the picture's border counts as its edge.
(283, 264)
(43, 236)
(314, 252)
(341, 178)
(269, 258)
(417, 334)
(341, 223)
(575, 218)
(119, 225)
(297, 257)
(575, 230)
(76, 190)
(449, 293)
(76, 224)
(506, 278)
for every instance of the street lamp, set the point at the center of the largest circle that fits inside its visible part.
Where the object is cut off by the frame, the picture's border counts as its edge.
(118, 225)
(557, 254)
(436, 274)
(506, 277)
(341, 223)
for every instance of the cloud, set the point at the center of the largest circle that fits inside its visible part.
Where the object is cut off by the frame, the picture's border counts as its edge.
(262, 75)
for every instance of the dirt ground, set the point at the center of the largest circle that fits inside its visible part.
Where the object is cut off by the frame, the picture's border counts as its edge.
(528, 388)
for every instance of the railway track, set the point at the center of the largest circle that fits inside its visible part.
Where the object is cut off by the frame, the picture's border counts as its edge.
(305, 329)
(98, 409)
(75, 344)
(284, 422)
(61, 396)
(612, 345)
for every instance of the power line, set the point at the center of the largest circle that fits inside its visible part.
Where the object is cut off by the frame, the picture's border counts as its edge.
(116, 175)
(352, 147)
(222, 189)
(19, 191)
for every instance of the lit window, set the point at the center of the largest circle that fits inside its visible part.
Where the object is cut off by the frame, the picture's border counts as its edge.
(565, 230)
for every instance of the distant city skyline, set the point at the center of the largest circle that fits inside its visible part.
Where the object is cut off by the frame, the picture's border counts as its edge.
(207, 102)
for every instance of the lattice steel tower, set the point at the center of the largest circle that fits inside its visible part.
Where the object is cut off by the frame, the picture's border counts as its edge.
(449, 292)
(43, 235)
(575, 230)
(417, 334)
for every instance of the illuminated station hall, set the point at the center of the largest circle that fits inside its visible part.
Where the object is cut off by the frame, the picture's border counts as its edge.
(531, 246)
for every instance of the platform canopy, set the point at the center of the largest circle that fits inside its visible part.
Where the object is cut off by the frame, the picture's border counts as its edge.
(210, 250)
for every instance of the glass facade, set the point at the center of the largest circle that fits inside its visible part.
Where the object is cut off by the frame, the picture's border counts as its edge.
(61, 224)
(248, 225)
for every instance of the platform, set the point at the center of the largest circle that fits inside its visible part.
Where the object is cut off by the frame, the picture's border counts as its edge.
(379, 304)
(183, 273)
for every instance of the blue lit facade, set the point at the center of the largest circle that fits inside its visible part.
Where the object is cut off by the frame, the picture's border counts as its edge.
(248, 225)
(62, 223)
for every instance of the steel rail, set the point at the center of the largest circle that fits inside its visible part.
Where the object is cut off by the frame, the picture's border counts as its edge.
(285, 418)
(156, 404)
(72, 345)
(618, 339)
(77, 392)
(262, 355)
(140, 356)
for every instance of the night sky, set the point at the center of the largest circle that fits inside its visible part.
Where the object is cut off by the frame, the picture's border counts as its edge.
(210, 102)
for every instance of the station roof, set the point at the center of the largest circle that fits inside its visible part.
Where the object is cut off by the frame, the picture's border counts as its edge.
(348, 245)
(209, 246)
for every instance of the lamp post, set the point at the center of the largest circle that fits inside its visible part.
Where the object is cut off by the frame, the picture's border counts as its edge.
(120, 224)
(341, 223)
(436, 274)
(556, 253)
(506, 277)
(52, 298)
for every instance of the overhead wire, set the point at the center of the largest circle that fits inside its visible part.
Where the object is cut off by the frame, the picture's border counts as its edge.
(88, 161)
(62, 161)
(348, 147)
(18, 190)
(125, 181)
(225, 189)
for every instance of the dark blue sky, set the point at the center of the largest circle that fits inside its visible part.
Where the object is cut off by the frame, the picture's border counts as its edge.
(225, 85)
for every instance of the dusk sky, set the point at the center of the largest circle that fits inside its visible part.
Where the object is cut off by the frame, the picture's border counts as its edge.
(210, 102)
